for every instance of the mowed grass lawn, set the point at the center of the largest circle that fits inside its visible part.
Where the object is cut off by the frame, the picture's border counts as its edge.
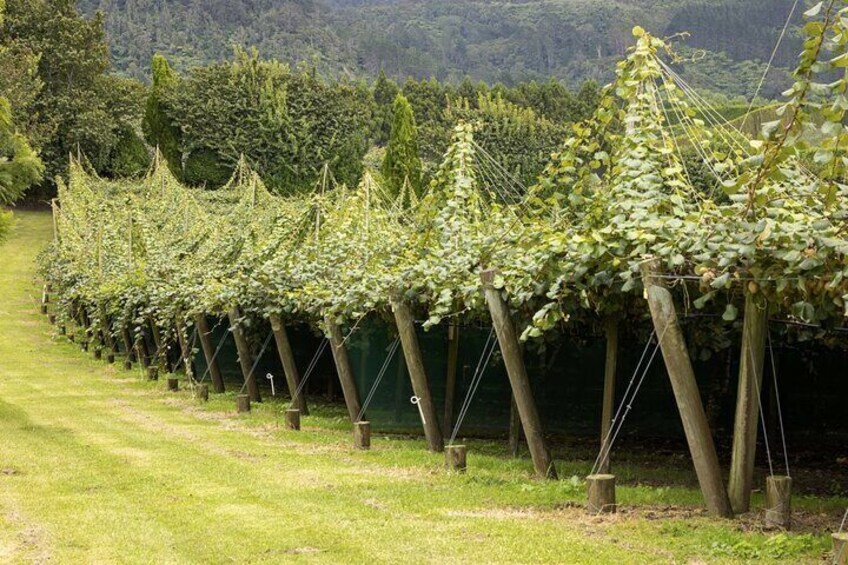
(98, 466)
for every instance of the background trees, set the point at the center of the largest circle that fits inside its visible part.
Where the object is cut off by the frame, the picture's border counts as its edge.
(402, 163)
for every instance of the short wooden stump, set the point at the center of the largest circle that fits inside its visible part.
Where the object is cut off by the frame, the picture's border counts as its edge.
(152, 373)
(293, 419)
(778, 502)
(51, 318)
(202, 393)
(362, 435)
(44, 308)
(840, 548)
(601, 494)
(98, 354)
(455, 458)
(173, 385)
(242, 403)
(110, 357)
(127, 364)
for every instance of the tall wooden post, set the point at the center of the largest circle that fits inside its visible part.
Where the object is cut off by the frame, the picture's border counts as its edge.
(610, 366)
(417, 374)
(514, 427)
(209, 352)
(141, 351)
(754, 327)
(106, 332)
(281, 337)
(161, 346)
(245, 358)
(686, 393)
(450, 380)
(518, 380)
(126, 338)
(185, 347)
(344, 369)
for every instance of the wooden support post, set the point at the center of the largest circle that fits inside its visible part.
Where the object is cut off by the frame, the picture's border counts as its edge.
(450, 379)
(161, 346)
(518, 379)
(362, 435)
(840, 548)
(209, 352)
(608, 405)
(746, 424)
(243, 403)
(281, 337)
(202, 392)
(186, 353)
(51, 318)
(126, 339)
(682, 376)
(779, 502)
(514, 427)
(601, 494)
(152, 373)
(293, 419)
(344, 370)
(106, 334)
(245, 358)
(128, 365)
(98, 353)
(417, 374)
(173, 385)
(455, 458)
(142, 352)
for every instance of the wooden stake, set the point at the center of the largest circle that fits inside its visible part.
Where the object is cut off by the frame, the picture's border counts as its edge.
(173, 385)
(293, 419)
(128, 348)
(840, 548)
(417, 374)
(343, 368)
(754, 328)
(779, 502)
(209, 352)
(242, 403)
(450, 380)
(686, 393)
(608, 405)
(161, 346)
(128, 364)
(281, 337)
(152, 373)
(518, 379)
(185, 346)
(106, 334)
(601, 494)
(455, 458)
(245, 358)
(202, 393)
(362, 435)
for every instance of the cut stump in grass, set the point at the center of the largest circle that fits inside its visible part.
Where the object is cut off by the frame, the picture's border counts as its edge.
(362, 435)
(127, 364)
(243, 403)
(51, 318)
(173, 385)
(293, 419)
(601, 494)
(455, 458)
(779, 502)
(152, 373)
(840, 548)
(98, 354)
(110, 358)
(201, 393)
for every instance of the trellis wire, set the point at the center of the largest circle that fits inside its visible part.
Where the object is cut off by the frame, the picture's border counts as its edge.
(256, 361)
(488, 349)
(310, 369)
(392, 349)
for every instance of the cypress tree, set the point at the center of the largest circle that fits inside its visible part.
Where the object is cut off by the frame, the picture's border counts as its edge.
(402, 161)
(159, 129)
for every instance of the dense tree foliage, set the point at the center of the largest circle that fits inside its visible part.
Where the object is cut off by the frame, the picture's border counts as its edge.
(507, 42)
(61, 96)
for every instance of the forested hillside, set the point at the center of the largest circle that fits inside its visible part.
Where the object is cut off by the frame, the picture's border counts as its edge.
(496, 41)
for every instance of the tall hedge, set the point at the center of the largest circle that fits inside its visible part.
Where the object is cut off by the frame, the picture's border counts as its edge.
(402, 160)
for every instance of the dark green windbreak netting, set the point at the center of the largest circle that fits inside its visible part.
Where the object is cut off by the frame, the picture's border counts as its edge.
(567, 381)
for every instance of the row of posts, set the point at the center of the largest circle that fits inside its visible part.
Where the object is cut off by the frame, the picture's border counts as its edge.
(720, 501)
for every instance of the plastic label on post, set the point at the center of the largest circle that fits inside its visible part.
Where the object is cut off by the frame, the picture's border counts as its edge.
(270, 377)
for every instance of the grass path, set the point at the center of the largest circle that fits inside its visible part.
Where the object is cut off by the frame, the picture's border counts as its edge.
(97, 466)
